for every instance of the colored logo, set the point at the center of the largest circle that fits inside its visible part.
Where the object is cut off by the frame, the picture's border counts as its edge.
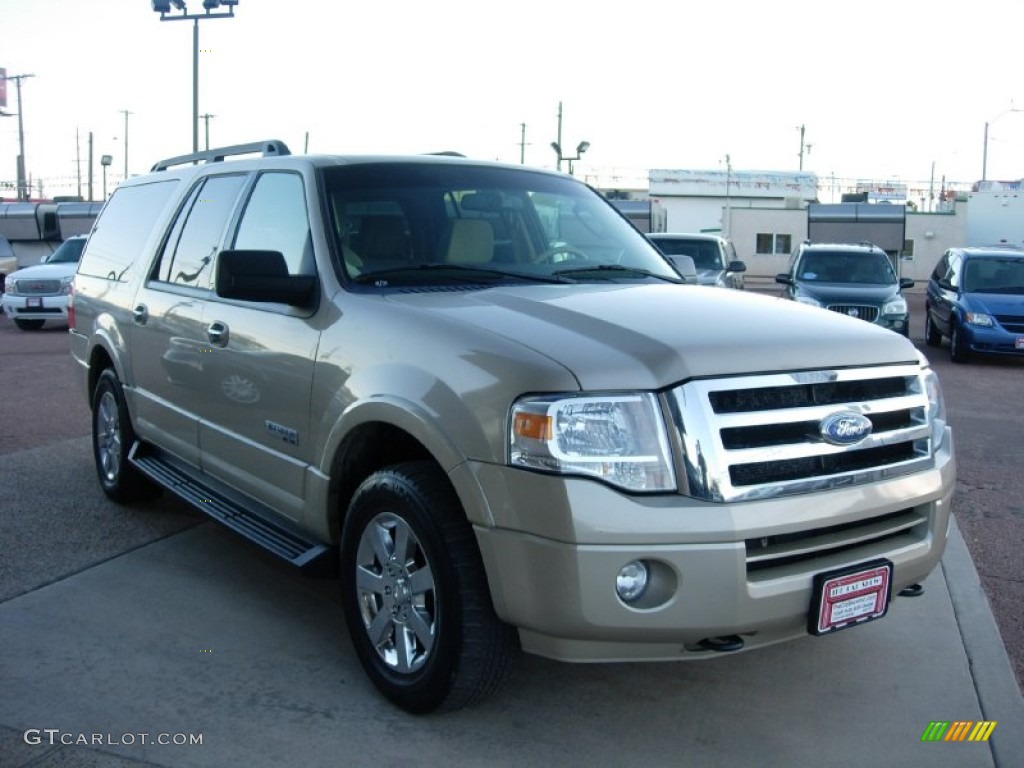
(958, 730)
(846, 428)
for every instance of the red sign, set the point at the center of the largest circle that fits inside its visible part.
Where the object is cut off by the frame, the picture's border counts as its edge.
(3, 87)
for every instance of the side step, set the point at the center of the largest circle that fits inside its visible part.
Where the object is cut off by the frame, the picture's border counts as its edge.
(227, 507)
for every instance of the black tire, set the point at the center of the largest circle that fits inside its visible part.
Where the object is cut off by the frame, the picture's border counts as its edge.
(439, 644)
(112, 439)
(28, 325)
(932, 336)
(958, 351)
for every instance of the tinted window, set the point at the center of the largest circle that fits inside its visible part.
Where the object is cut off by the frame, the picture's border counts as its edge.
(705, 253)
(275, 219)
(67, 252)
(189, 254)
(123, 227)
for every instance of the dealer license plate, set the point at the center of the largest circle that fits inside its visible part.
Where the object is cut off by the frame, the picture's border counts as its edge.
(850, 596)
(33, 302)
(1019, 342)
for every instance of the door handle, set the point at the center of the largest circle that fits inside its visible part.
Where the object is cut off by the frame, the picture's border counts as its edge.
(140, 314)
(217, 333)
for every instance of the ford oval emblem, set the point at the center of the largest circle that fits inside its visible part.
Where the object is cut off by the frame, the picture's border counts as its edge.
(845, 428)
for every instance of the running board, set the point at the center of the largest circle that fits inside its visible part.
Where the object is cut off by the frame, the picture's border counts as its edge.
(227, 507)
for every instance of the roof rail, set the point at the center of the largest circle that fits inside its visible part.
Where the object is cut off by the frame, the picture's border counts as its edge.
(271, 147)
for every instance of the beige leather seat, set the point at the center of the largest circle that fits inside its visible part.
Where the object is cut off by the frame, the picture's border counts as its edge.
(468, 241)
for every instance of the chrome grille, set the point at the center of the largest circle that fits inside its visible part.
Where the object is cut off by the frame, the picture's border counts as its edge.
(755, 437)
(29, 287)
(861, 311)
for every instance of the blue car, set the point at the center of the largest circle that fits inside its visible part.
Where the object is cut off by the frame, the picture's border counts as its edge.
(976, 299)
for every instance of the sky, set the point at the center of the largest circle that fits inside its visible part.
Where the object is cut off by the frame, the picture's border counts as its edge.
(899, 90)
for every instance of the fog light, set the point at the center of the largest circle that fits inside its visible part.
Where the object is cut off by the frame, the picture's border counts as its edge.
(631, 582)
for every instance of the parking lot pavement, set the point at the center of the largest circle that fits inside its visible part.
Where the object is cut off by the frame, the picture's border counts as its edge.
(200, 635)
(119, 622)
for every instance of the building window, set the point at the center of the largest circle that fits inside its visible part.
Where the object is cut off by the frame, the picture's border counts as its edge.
(772, 243)
(908, 249)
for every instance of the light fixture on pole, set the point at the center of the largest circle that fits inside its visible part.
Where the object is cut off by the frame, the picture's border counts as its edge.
(105, 160)
(984, 152)
(582, 147)
(163, 7)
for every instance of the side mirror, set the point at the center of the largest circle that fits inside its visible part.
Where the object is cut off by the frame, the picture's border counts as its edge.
(736, 266)
(784, 278)
(906, 282)
(685, 267)
(261, 276)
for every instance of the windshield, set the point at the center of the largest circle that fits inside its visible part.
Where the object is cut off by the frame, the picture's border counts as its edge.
(430, 223)
(994, 275)
(846, 267)
(68, 252)
(705, 253)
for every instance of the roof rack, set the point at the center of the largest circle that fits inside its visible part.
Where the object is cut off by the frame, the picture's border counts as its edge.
(269, 148)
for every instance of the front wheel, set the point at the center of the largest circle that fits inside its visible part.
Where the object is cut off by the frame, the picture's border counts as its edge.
(415, 594)
(112, 438)
(958, 351)
(932, 336)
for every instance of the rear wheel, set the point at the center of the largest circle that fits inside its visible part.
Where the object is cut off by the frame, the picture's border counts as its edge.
(28, 325)
(958, 351)
(415, 594)
(112, 438)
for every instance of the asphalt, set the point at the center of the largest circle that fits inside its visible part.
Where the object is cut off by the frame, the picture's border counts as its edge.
(198, 633)
(117, 622)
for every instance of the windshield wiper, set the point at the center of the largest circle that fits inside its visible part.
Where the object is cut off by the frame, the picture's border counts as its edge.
(621, 270)
(463, 272)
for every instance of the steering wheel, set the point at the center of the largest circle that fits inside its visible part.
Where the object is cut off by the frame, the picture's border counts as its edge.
(560, 254)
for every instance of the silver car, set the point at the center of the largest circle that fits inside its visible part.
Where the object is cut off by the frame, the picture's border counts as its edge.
(713, 256)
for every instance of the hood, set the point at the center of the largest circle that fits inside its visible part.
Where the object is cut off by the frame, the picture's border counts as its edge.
(45, 272)
(995, 303)
(653, 336)
(849, 293)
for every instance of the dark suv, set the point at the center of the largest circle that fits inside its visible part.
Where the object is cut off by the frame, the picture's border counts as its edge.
(976, 298)
(854, 280)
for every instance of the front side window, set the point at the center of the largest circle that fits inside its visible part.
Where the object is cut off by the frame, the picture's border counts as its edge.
(197, 235)
(458, 223)
(275, 219)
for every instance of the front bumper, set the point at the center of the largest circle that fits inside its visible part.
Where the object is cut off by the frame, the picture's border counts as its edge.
(557, 544)
(992, 341)
(23, 307)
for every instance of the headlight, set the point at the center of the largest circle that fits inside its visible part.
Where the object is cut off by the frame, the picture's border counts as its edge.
(808, 301)
(618, 438)
(65, 284)
(895, 307)
(10, 286)
(936, 406)
(979, 318)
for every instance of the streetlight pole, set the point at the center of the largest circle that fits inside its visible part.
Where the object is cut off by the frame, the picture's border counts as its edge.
(206, 121)
(125, 112)
(984, 151)
(582, 147)
(163, 7)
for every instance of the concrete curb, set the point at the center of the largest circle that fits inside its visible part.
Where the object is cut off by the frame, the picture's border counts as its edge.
(994, 681)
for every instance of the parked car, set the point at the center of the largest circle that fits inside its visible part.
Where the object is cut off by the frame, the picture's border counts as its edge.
(854, 280)
(33, 295)
(713, 256)
(8, 263)
(976, 299)
(495, 408)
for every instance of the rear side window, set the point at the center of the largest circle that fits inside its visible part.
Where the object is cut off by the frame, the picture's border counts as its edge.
(122, 229)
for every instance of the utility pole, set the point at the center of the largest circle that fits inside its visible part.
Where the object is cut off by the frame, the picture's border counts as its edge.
(803, 146)
(559, 139)
(206, 121)
(522, 143)
(23, 189)
(78, 163)
(90, 167)
(125, 112)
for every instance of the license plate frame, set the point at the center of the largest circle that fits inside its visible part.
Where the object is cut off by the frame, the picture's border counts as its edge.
(34, 302)
(851, 596)
(1018, 343)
